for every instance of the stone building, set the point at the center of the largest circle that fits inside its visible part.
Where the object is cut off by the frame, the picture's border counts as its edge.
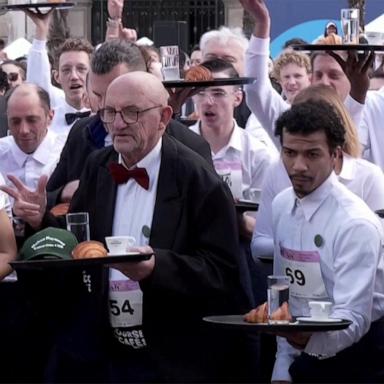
(88, 18)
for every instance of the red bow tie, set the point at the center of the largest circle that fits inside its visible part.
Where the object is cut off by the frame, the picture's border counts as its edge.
(121, 175)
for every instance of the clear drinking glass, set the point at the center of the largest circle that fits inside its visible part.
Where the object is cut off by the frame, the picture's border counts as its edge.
(170, 62)
(350, 24)
(278, 293)
(78, 224)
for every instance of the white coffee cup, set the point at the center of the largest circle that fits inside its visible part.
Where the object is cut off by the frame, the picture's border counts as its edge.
(119, 245)
(320, 309)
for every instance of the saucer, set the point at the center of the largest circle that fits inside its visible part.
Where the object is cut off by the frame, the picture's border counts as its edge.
(318, 319)
(122, 253)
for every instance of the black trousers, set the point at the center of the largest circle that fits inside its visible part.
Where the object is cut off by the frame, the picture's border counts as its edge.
(362, 362)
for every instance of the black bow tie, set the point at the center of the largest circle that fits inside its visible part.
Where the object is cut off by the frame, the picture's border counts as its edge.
(121, 175)
(71, 117)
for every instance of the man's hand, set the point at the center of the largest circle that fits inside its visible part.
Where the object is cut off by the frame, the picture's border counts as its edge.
(115, 9)
(140, 270)
(68, 191)
(29, 205)
(356, 68)
(259, 12)
(298, 340)
(178, 96)
(42, 22)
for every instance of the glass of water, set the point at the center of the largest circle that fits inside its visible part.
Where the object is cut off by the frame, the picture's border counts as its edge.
(278, 293)
(78, 224)
(350, 23)
(170, 62)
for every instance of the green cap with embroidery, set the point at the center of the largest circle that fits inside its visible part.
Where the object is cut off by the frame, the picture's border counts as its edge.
(49, 244)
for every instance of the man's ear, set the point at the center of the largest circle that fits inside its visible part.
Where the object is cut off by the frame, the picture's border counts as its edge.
(50, 116)
(55, 73)
(238, 97)
(166, 116)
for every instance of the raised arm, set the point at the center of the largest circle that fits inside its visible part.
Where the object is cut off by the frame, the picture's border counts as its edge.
(39, 68)
(115, 28)
(262, 98)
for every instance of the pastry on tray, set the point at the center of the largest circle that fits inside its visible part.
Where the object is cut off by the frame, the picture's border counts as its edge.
(89, 250)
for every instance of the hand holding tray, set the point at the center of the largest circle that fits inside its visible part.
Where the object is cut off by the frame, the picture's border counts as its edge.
(237, 321)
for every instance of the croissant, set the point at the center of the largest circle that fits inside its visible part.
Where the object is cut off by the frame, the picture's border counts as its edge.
(260, 314)
(282, 313)
(257, 315)
(88, 250)
(198, 73)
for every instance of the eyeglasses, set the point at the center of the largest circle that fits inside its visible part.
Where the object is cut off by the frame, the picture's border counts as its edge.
(214, 95)
(129, 116)
(13, 76)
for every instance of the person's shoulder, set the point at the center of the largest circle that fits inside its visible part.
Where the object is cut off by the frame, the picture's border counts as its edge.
(186, 159)
(283, 197)
(79, 129)
(6, 143)
(349, 206)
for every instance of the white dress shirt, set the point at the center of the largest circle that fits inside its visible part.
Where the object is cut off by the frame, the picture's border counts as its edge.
(133, 215)
(255, 128)
(252, 154)
(371, 128)
(350, 260)
(39, 72)
(29, 167)
(4, 199)
(263, 100)
(361, 177)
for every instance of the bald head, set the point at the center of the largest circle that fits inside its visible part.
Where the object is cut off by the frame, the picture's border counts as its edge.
(136, 114)
(26, 89)
(29, 116)
(144, 84)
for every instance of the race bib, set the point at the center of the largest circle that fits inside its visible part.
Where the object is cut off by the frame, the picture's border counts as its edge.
(231, 173)
(304, 272)
(125, 303)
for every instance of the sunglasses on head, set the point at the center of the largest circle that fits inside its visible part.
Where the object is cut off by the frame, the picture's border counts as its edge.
(13, 76)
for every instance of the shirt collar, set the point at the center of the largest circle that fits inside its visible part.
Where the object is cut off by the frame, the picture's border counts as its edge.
(234, 141)
(150, 161)
(41, 155)
(311, 203)
(348, 168)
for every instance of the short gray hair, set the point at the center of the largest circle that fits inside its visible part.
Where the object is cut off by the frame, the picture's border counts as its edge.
(223, 35)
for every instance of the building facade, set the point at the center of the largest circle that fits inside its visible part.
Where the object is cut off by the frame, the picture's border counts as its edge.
(88, 18)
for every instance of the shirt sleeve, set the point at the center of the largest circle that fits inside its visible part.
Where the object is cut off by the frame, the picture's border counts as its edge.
(262, 98)
(285, 356)
(39, 71)
(354, 261)
(262, 239)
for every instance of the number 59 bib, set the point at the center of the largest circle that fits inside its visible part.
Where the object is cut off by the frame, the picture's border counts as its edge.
(304, 272)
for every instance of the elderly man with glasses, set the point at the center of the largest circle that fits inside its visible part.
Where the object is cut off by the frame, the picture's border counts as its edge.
(150, 186)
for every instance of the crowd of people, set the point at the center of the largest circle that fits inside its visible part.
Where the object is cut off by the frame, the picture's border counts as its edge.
(95, 130)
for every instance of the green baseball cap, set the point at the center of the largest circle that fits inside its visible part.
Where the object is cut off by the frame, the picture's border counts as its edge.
(50, 243)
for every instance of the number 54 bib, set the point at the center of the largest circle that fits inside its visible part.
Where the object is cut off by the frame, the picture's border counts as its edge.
(304, 272)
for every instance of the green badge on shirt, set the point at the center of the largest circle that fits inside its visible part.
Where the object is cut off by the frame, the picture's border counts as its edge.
(319, 241)
(146, 231)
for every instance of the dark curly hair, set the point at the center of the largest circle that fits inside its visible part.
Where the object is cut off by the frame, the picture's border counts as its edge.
(309, 117)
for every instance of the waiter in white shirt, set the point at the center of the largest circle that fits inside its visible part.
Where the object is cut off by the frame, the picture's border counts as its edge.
(71, 68)
(31, 150)
(332, 242)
